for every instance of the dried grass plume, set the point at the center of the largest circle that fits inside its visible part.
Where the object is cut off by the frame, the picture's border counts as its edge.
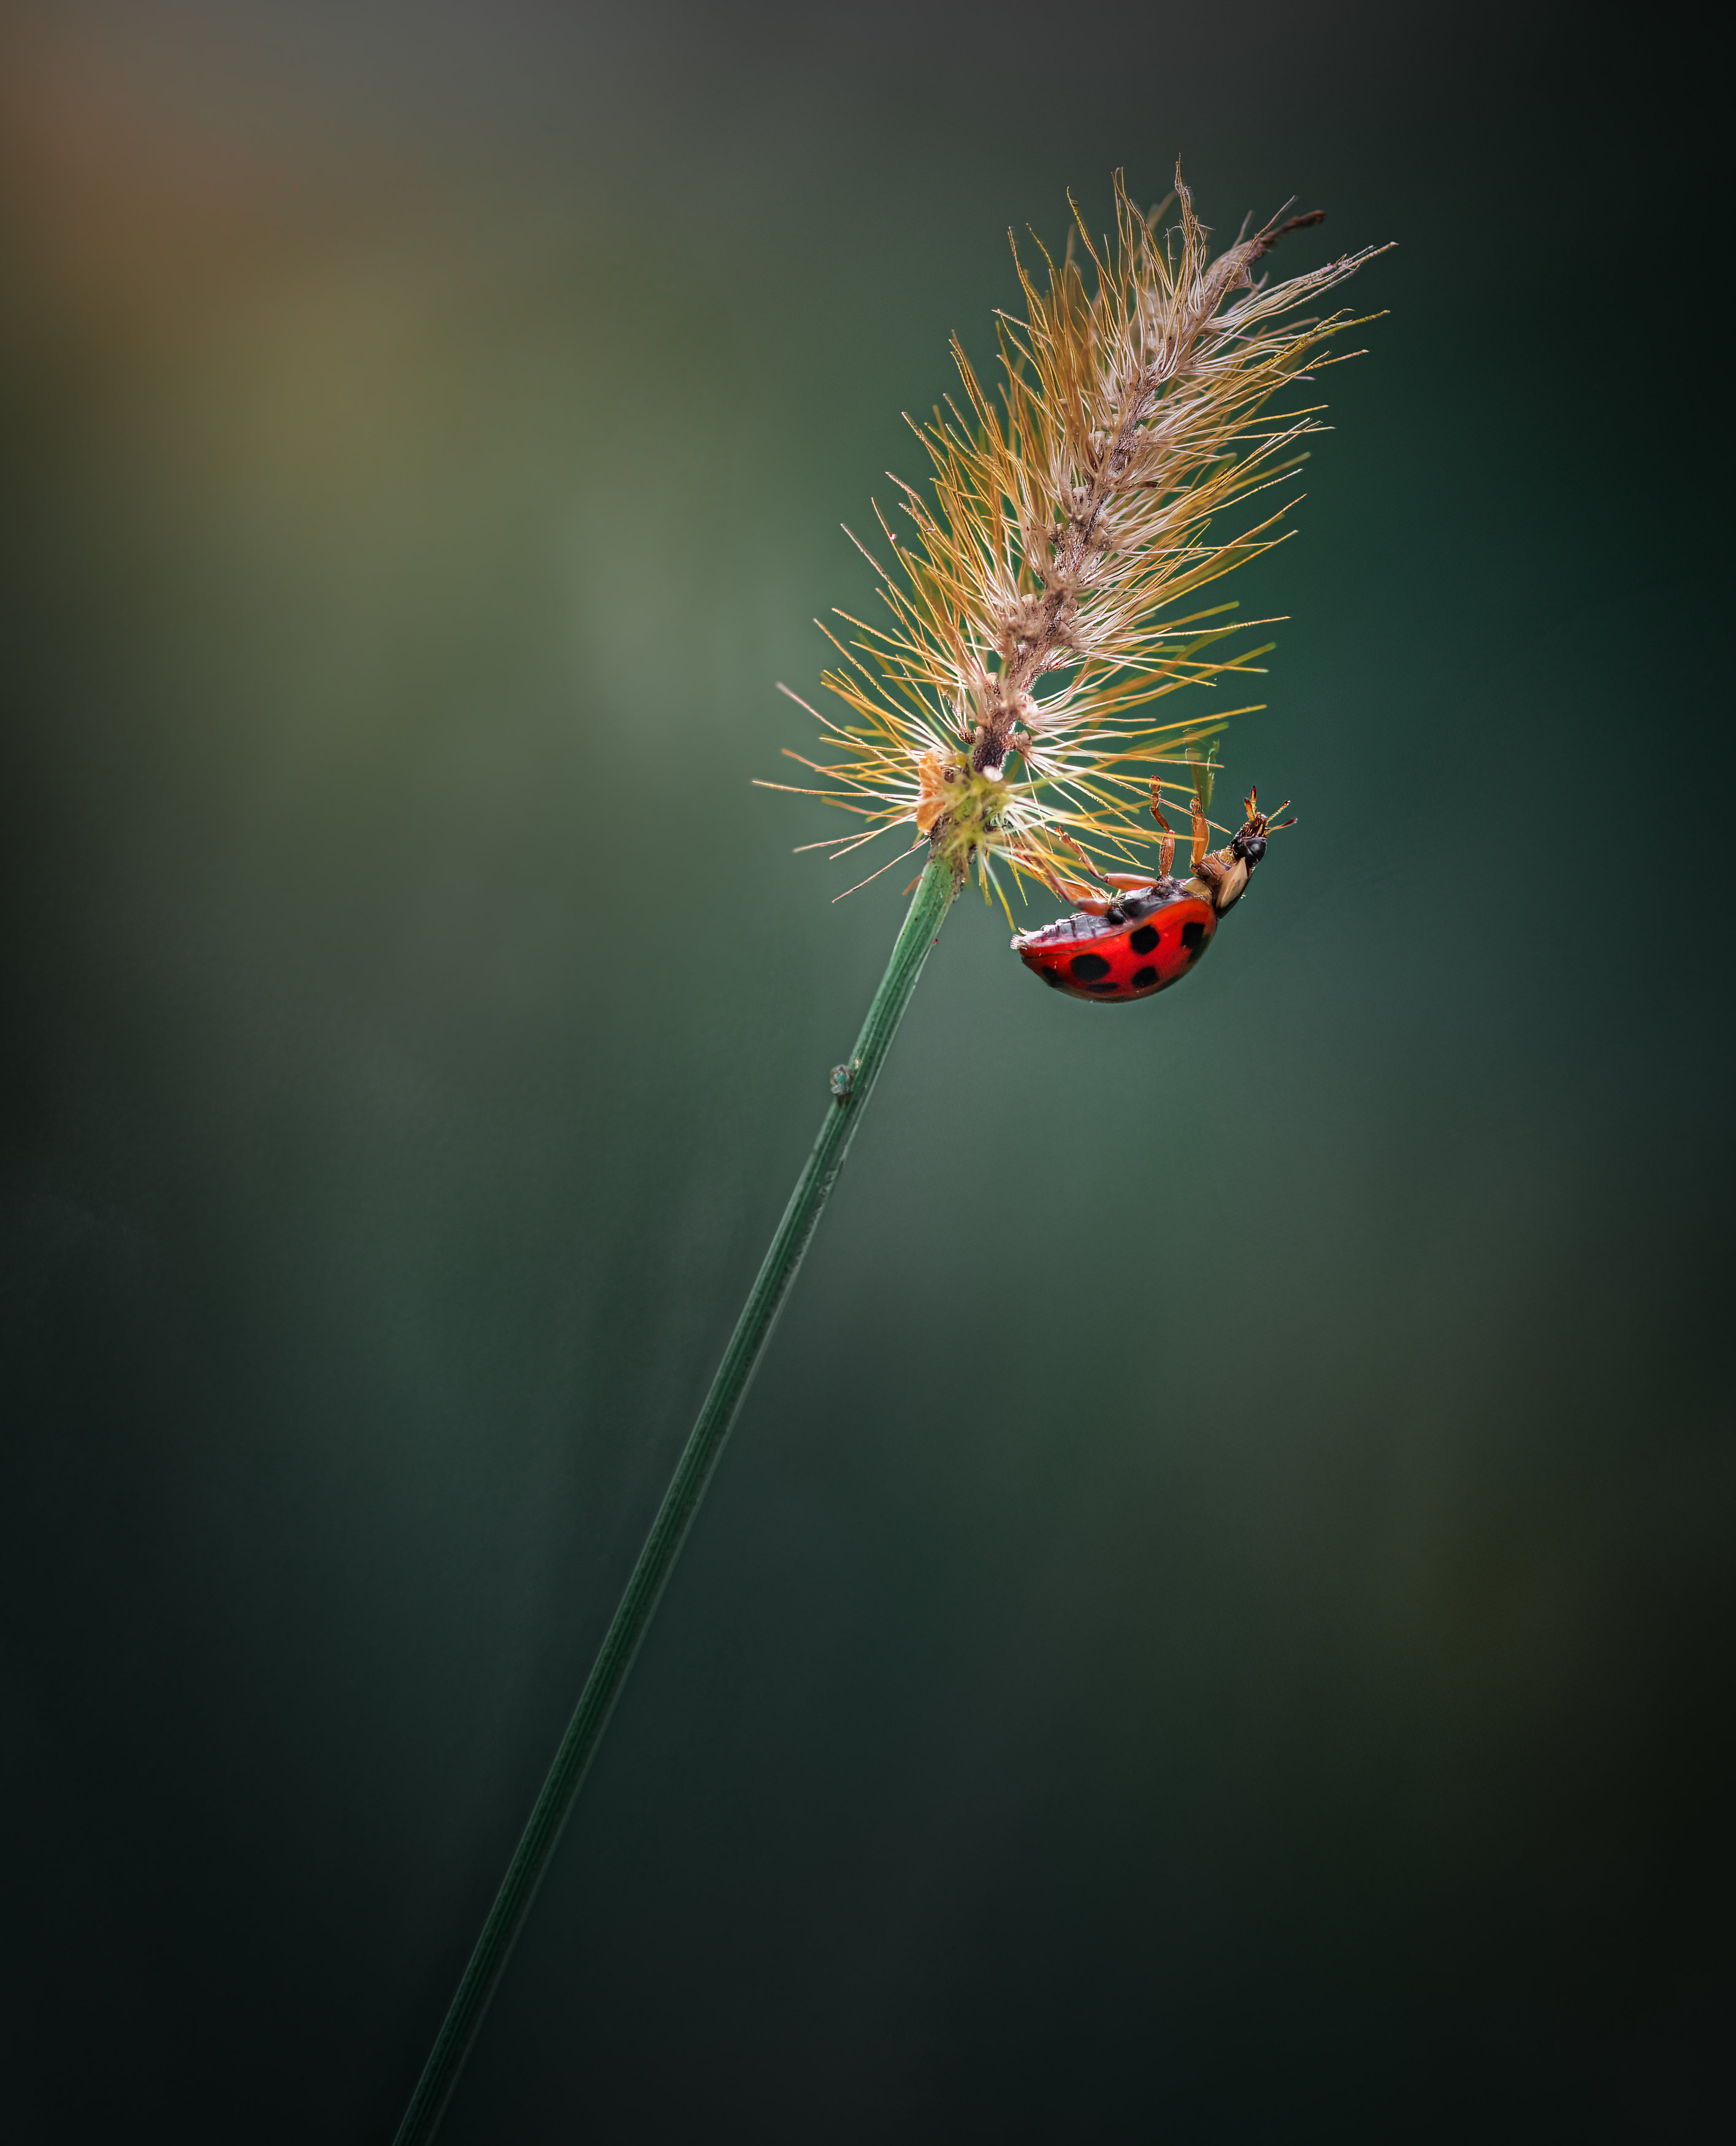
(1040, 605)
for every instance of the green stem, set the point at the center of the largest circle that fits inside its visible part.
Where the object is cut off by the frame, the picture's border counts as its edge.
(662, 1546)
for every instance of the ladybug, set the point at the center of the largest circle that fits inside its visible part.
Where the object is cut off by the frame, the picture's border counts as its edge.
(1151, 932)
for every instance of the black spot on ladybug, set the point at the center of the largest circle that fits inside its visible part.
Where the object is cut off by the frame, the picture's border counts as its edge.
(1191, 935)
(1103, 987)
(1085, 966)
(1053, 978)
(1145, 939)
(1143, 979)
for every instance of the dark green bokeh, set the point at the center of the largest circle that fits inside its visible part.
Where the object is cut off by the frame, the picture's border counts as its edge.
(1212, 1626)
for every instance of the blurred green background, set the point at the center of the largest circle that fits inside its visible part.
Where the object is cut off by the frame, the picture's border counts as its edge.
(1215, 1622)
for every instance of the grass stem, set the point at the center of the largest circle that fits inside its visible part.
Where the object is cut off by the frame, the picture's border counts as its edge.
(852, 1085)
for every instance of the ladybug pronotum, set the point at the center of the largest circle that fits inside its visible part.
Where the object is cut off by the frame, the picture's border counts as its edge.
(1151, 932)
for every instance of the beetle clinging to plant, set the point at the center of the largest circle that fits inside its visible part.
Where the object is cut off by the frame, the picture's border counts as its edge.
(1150, 933)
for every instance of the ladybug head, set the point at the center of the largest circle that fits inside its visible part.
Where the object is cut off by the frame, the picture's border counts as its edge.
(1248, 842)
(1222, 878)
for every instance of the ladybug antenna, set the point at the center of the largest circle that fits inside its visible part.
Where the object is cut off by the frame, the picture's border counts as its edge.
(1266, 823)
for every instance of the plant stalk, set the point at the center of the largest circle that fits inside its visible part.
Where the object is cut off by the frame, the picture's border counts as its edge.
(852, 1085)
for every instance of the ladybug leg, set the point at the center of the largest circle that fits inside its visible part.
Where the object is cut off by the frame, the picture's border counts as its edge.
(1201, 838)
(1167, 847)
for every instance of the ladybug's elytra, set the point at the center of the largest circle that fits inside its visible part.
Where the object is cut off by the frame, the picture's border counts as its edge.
(1152, 932)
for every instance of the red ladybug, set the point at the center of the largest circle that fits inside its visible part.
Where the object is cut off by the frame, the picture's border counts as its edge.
(1148, 934)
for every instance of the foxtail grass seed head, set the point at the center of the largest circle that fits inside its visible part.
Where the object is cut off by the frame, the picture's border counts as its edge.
(1043, 601)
